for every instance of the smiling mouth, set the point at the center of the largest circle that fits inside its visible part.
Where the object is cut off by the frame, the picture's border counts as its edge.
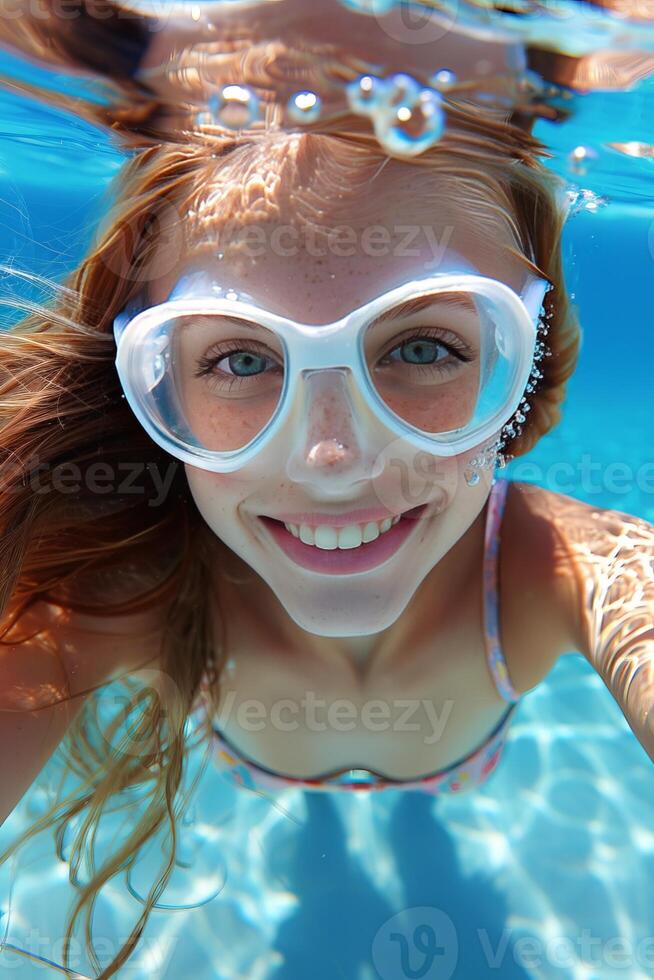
(350, 537)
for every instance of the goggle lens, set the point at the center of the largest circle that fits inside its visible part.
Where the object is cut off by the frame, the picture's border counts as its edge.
(441, 365)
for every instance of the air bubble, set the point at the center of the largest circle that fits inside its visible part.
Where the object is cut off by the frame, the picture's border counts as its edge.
(304, 107)
(411, 129)
(365, 94)
(234, 106)
(403, 90)
(407, 117)
(580, 158)
(443, 78)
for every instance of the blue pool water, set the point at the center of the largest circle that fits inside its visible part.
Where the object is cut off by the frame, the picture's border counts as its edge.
(545, 872)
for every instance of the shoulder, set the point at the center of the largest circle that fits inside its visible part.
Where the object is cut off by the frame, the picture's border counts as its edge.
(104, 647)
(539, 584)
(577, 551)
(114, 619)
(535, 530)
(52, 652)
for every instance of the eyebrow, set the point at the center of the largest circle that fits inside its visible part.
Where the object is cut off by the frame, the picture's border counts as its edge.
(418, 304)
(234, 321)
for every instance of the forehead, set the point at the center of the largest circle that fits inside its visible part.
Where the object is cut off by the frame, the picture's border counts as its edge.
(314, 249)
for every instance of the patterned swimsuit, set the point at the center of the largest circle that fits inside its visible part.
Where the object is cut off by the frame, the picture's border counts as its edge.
(467, 772)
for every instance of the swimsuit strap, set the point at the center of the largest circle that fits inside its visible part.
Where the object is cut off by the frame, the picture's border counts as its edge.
(494, 654)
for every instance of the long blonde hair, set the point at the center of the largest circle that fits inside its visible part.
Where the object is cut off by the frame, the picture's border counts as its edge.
(60, 402)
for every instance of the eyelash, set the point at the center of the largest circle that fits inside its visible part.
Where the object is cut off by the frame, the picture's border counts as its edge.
(219, 352)
(463, 352)
(448, 340)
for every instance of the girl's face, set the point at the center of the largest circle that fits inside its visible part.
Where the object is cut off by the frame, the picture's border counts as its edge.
(314, 259)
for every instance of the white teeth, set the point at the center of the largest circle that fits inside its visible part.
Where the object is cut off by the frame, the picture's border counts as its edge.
(329, 538)
(326, 537)
(306, 534)
(370, 532)
(350, 537)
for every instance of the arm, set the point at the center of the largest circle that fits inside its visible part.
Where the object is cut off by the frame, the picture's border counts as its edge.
(613, 558)
(33, 715)
(44, 682)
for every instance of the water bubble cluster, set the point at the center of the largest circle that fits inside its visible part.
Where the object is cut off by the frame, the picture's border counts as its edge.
(584, 200)
(407, 117)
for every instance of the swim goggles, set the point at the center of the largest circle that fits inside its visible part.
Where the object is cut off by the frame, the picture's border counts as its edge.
(442, 361)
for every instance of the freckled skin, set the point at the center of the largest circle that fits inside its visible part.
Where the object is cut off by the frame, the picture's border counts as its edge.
(316, 285)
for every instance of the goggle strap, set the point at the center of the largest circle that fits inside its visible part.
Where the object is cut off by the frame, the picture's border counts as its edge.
(534, 296)
(135, 306)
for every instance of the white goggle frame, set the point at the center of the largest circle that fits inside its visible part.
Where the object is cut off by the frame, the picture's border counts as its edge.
(308, 348)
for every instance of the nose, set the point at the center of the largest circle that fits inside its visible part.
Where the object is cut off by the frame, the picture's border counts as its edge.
(335, 444)
(328, 452)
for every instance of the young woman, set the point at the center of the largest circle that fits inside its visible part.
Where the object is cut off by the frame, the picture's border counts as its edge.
(338, 344)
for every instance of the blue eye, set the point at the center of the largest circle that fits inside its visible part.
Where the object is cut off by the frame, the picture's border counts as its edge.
(420, 351)
(244, 363)
(226, 365)
(428, 349)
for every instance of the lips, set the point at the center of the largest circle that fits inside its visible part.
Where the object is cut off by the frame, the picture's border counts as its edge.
(349, 561)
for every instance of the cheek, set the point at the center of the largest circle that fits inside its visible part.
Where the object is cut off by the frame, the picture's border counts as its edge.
(411, 477)
(216, 495)
(457, 502)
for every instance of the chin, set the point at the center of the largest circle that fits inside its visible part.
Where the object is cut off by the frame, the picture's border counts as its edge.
(345, 607)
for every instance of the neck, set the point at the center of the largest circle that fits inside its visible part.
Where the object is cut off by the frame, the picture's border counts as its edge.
(442, 590)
